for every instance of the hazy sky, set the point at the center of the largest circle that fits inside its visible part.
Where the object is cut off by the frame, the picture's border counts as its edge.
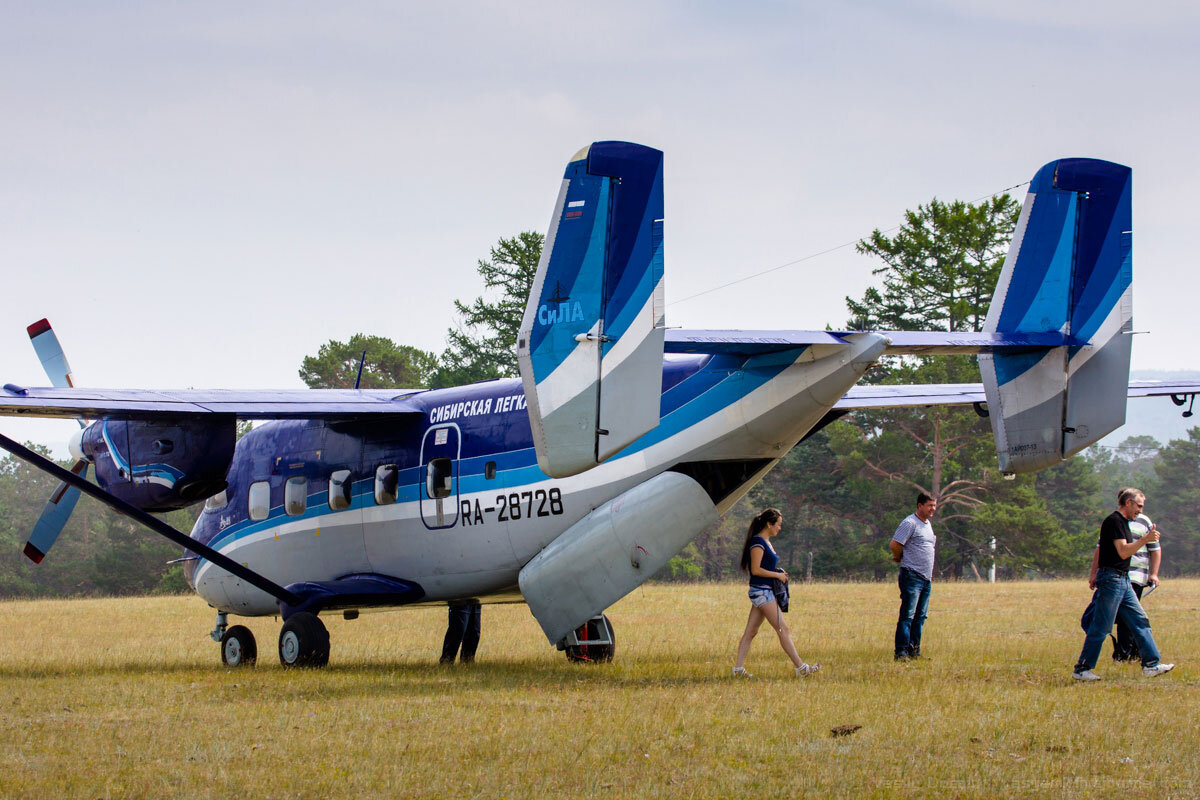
(202, 194)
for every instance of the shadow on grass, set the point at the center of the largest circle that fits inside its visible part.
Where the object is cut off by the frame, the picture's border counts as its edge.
(398, 677)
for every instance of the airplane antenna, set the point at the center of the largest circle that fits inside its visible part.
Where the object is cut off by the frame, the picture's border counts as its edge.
(811, 256)
(361, 361)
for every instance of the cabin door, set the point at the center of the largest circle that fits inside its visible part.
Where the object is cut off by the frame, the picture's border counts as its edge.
(438, 487)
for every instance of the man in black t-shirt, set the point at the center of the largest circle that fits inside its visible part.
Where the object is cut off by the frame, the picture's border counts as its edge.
(1114, 596)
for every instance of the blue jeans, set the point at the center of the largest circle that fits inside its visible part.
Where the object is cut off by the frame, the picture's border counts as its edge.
(914, 608)
(463, 628)
(1115, 600)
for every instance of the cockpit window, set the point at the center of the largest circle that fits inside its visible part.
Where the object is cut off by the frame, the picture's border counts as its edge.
(387, 480)
(218, 500)
(295, 496)
(339, 490)
(260, 500)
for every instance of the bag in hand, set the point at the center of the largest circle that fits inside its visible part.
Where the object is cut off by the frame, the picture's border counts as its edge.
(780, 588)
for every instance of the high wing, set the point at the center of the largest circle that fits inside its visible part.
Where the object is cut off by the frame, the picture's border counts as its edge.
(965, 394)
(246, 404)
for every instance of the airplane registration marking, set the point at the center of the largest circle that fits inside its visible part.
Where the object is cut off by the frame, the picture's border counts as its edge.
(508, 507)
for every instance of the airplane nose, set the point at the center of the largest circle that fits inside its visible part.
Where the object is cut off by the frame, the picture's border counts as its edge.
(76, 446)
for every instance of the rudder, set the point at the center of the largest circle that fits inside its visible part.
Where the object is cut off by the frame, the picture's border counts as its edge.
(1069, 271)
(595, 312)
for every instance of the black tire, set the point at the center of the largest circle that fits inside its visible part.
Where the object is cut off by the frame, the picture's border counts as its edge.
(595, 653)
(238, 648)
(304, 641)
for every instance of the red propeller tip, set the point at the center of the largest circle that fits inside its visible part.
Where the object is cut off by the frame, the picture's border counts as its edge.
(38, 328)
(33, 554)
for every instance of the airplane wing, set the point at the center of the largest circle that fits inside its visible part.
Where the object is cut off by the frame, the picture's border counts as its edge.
(247, 404)
(964, 394)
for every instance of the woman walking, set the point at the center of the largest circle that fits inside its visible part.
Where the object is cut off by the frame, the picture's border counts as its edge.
(761, 561)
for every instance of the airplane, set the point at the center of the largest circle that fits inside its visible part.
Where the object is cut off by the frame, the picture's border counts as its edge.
(620, 442)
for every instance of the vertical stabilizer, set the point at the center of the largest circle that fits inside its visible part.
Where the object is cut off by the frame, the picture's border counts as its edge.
(594, 317)
(1069, 271)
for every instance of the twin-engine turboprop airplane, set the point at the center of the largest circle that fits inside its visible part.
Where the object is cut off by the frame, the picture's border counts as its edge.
(620, 443)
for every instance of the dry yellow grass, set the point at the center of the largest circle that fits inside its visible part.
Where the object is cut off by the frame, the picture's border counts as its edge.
(127, 698)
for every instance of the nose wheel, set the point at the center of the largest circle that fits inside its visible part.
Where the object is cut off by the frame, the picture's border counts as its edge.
(304, 641)
(238, 648)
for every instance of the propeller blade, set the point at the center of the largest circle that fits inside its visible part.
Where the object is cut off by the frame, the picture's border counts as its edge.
(54, 517)
(50, 353)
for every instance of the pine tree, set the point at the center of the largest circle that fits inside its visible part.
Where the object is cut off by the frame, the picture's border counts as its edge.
(482, 345)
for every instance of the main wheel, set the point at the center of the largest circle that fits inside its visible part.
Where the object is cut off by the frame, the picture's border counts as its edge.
(304, 641)
(598, 629)
(238, 648)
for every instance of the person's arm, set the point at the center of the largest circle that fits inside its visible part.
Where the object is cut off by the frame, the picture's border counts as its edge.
(1126, 549)
(756, 568)
(1155, 561)
(1095, 566)
(897, 550)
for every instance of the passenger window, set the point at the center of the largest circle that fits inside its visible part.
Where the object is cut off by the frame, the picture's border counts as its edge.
(295, 496)
(387, 478)
(339, 490)
(489, 470)
(218, 500)
(438, 478)
(260, 500)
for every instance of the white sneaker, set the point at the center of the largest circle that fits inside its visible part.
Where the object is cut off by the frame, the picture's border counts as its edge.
(1158, 669)
(807, 669)
(1086, 675)
(740, 672)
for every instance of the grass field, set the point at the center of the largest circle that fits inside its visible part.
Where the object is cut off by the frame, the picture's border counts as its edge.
(127, 698)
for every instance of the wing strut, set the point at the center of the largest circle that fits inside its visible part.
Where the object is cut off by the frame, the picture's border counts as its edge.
(153, 523)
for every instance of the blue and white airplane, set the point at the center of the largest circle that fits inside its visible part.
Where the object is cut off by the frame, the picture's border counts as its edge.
(621, 441)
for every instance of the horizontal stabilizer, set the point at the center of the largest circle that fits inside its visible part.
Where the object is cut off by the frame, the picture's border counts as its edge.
(753, 343)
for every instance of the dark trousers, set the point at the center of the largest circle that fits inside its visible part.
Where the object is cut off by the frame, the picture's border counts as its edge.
(463, 629)
(1125, 646)
(914, 608)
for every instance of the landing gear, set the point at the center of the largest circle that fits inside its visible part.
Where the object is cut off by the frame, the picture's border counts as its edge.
(592, 641)
(304, 641)
(238, 648)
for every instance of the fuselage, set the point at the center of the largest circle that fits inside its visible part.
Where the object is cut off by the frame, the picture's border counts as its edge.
(454, 501)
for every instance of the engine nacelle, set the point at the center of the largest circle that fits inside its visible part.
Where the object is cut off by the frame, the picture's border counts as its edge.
(161, 465)
(613, 550)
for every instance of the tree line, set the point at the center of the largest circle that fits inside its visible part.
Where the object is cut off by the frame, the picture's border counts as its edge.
(842, 491)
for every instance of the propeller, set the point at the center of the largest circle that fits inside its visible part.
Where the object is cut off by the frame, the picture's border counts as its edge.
(62, 501)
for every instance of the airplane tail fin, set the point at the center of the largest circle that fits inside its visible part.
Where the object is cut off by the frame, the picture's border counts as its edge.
(594, 317)
(1069, 270)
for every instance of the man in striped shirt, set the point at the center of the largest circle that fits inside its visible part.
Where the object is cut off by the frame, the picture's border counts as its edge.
(1143, 572)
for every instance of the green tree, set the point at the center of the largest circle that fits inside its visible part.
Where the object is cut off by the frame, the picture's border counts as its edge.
(1175, 503)
(940, 269)
(855, 481)
(482, 345)
(388, 365)
(1130, 463)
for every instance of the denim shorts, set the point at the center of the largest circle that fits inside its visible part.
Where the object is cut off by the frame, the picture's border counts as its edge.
(761, 595)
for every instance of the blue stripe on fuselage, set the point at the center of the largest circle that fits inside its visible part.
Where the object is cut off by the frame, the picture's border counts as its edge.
(695, 388)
